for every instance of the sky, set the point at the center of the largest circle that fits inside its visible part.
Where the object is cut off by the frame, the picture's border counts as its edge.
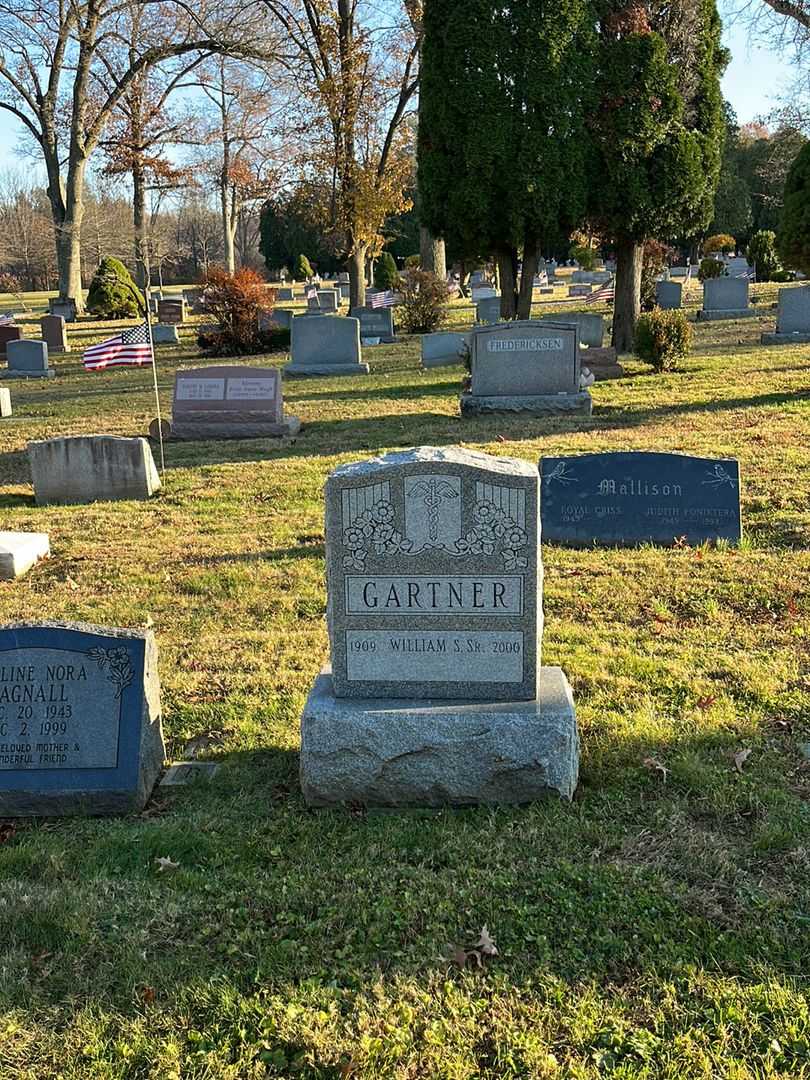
(751, 83)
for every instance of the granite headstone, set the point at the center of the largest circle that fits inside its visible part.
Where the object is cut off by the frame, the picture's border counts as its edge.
(668, 295)
(54, 333)
(725, 298)
(88, 468)
(375, 322)
(28, 360)
(328, 345)
(635, 497)
(80, 728)
(793, 318)
(230, 401)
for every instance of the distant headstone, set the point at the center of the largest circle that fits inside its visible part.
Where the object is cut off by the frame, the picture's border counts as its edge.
(628, 498)
(678, 271)
(8, 332)
(165, 334)
(739, 267)
(443, 348)
(90, 468)
(285, 292)
(478, 277)
(668, 295)
(725, 298)
(28, 360)
(793, 318)
(343, 278)
(375, 322)
(19, 551)
(54, 333)
(5, 403)
(230, 401)
(579, 290)
(435, 693)
(172, 311)
(591, 326)
(80, 729)
(278, 317)
(327, 300)
(530, 366)
(329, 345)
(488, 310)
(482, 292)
(65, 308)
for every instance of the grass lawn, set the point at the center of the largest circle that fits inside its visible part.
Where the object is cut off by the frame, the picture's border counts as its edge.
(657, 927)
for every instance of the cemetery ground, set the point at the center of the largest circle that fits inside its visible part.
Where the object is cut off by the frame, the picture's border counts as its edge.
(659, 926)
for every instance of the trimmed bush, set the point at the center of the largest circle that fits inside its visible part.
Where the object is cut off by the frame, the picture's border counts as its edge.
(711, 268)
(761, 253)
(585, 255)
(413, 262)
(302, 269)
(424, 302)
(386, 275)
(663, 338)
(783, 275)
(238, 302)
(113, 294)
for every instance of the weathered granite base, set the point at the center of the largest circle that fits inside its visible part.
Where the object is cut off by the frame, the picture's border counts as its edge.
(48, 373)
(603, 362)
(785, 339)
(737, 313)
(438, 753)
(200, 430)
(327, 369)
(580, 404)
(19, 551)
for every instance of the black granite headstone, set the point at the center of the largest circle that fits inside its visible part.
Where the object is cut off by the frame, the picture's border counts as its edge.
(630, 498)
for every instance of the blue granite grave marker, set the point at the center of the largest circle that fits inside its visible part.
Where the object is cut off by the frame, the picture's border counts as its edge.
(80, 729)
(631, 498)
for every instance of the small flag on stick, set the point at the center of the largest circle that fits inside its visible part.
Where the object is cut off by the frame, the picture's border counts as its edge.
(383, 299)
(131, 347)
(607, 292)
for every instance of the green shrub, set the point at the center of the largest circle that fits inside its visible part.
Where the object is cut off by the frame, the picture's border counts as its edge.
(794, 224)
(761, 253)
(113, 294)
(783, 275)
(663, 338)
(386, 275)
(302, 269)
(413, 262)
(585, 256)
(711, 268)
(424, 302)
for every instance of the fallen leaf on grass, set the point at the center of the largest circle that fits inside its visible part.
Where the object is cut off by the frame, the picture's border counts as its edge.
(165, 863)
(39, 959)
(484, 948)
(500, 438)
(706, 702)
(71, 584)
(7, 831)
(485, 945)
(198, 744)
(656, 766)
(740, 759)
(147, 995)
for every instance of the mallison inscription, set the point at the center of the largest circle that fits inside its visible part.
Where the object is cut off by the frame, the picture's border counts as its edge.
(637, 497)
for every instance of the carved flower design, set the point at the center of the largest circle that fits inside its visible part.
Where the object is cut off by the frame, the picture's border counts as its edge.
(484, 513)
(382, 512)
(117, 664)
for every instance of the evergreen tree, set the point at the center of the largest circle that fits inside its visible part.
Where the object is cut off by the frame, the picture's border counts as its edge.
(113, 294)
(794, 228)
(502, 139)
(657, 133)
(386, 275)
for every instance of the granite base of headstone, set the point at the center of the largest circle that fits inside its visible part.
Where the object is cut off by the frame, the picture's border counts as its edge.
(65, 308)
(92, 468)
(725, 298)
(635, 497)
(435, 695)
(530, 367)
(80, 725)
(793, 318)
(54, 333)
(230, 401)
(444, 348)
(27, 360)
(602, 362)
(19, 551)
(165, 334)
(328, 345)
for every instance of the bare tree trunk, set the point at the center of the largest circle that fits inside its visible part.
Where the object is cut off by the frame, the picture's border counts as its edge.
(627, 302)
(68, 214)
(524, 305)
(507, 272)
(431, 253)
(357, 276)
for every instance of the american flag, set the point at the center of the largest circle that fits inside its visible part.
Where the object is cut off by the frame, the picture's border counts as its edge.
(132, 347)
(311, 292)
(383, 299)
(542, 278)
(606, 292)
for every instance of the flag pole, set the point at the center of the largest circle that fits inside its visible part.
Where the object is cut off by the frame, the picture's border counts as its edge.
(148, 295)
